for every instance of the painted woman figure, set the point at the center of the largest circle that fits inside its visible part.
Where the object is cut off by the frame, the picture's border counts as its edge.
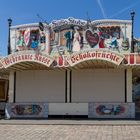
(76, 41)
(20, 40)
(102, 40)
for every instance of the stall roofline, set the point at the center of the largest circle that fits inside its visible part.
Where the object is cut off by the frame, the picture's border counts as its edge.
(96, 22)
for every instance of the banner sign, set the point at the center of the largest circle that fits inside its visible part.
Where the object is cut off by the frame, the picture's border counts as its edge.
(99, 54)
(24, 57)
(69, 21)
(111, 110)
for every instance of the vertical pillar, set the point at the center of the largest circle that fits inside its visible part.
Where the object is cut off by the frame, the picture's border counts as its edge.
(11, 87)
(68, 86)
(129, 85)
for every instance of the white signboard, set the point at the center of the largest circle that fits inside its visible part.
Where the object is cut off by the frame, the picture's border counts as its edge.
(99, 54)
(26, 56)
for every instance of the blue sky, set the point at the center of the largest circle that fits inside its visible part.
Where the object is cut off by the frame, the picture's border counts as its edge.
(25, 11)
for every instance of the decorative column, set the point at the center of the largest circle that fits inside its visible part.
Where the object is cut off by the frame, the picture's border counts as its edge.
(59, 37)
(48, 40)
(11, 87)
(129, 85)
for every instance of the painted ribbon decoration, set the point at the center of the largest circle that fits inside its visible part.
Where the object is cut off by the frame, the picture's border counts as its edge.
(27, 36)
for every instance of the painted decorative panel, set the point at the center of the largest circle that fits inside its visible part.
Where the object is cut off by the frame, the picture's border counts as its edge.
(111, 110)
(66, 36)
(26, 110)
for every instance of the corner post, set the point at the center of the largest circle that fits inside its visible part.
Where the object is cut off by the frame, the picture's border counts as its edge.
(9, 43)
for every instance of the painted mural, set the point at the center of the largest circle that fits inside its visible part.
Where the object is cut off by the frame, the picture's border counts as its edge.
(66, 36)
(111, 110)
(75, 39)
(63, 38)
(26, 110)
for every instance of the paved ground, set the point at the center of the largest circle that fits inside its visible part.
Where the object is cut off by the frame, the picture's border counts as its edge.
(69, 132)
(93, 130)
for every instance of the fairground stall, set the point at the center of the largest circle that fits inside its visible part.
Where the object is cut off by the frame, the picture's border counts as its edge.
(71, 67)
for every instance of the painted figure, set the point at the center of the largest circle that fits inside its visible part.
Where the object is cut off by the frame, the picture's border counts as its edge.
(69, 38)
(42, 41)
(76, 41)
(112, 43)
(34, 42)
(101, 41)
(20, 41)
